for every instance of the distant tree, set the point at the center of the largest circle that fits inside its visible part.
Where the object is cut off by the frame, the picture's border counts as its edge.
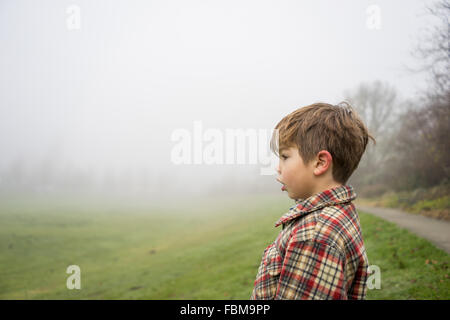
(413, 145)
(433, 50)
(379, 106)
(375, 102)
(422, 157)
(423, 144)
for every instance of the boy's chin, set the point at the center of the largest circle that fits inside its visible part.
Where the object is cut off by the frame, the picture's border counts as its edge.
(293, 197)
(296, 197)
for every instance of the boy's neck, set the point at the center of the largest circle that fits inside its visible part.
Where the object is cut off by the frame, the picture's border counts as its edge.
(326, 186)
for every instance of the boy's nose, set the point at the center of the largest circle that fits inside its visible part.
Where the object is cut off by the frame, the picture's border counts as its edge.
(278, 169)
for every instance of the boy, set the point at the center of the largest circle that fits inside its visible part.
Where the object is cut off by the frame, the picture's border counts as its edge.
(319, 253)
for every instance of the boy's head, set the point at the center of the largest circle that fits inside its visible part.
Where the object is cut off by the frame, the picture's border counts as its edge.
(319, 147)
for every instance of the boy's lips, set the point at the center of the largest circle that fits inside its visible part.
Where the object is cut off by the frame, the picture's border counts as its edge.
(283, 187)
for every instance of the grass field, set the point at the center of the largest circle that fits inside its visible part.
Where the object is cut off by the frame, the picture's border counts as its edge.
(182, 250)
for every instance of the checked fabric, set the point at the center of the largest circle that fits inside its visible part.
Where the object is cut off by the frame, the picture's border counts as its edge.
(319, 254)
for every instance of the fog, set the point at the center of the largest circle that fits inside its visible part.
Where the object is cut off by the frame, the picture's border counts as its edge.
(91, 92)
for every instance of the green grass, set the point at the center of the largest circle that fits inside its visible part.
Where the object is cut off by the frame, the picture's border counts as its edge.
(435, 204)
(411, 267)
(185, 250)
(432, 202)
(394, 200)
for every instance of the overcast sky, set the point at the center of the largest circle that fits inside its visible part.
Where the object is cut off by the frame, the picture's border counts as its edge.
(107, 93)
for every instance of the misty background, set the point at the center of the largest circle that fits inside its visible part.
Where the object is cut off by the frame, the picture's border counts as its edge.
(91, 110)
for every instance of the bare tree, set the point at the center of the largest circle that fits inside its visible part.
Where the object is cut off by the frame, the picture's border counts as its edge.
(422, 144)
(422, 157)
(379, 106)
(433, 50)
(413, 148)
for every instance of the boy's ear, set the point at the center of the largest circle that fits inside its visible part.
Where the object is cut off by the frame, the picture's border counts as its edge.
(322, 162)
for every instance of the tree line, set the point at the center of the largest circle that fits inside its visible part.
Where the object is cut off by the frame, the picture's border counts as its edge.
(412, 149)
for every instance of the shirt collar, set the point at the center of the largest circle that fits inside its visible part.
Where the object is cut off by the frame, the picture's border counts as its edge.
(330, 197)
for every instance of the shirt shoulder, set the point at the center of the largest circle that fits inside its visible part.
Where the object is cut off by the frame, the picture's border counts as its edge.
(336, 225)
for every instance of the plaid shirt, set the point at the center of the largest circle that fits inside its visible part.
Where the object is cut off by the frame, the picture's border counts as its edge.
(318, 254)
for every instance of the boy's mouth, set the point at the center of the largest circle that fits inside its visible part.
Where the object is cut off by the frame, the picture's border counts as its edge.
(283, 187)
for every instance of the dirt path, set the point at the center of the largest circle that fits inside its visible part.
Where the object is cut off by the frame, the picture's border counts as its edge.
(434, 230)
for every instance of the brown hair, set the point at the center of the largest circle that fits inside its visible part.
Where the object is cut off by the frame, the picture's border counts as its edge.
(322, 126)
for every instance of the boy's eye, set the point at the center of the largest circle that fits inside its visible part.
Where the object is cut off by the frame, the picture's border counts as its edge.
(284, 157)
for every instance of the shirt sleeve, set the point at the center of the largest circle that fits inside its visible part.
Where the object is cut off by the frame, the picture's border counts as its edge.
(266, 282)
(312, 270)
(358, 288)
